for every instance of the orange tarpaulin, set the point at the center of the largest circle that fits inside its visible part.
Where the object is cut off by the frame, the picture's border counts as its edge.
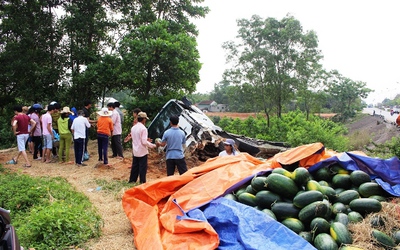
(156, 209)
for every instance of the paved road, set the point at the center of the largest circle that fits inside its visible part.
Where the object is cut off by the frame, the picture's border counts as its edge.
(379, 112)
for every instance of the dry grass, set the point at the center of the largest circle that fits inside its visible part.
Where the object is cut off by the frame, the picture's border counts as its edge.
(361, 231)
(360, 139)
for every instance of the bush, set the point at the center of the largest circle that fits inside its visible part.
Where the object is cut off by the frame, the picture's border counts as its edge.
(47, 212)
(58, 225)
(8, 139)
(387, 149)
(293, 128)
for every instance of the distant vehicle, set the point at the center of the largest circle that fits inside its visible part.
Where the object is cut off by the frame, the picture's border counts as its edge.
(396, 110)
(8, 236)
(203, 136)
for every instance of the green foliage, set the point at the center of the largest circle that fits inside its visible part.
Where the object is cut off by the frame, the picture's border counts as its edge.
(385, 150)
(346, 95)
(8, 138)
(161, 64)
(293, 128)
(58, 225)
(316, 129)
(47, 212)
(69, 51)
(272, 59)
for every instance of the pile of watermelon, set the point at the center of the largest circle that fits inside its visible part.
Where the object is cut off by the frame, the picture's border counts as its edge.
(318, 206)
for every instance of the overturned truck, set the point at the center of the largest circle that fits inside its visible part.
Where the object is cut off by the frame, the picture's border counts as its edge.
(203, 137)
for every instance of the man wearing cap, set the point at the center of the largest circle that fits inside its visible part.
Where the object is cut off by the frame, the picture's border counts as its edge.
(104, 130)
(78, 128)
(140, 145)
(37, 132)
(230, 150)
(175, 140)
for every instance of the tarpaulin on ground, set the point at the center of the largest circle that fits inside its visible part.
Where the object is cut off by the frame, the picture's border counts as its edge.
(386, 172)
(186, 211)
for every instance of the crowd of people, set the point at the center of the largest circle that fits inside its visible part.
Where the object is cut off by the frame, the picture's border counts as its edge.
(49, 132)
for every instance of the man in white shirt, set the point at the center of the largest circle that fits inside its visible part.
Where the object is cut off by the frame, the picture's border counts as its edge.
(78, 128)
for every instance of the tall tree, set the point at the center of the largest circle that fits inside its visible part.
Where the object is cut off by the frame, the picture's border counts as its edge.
(309, 92)
(30, 64)
(86, 26)
(346, 94)
(270, 55)
(157, 62)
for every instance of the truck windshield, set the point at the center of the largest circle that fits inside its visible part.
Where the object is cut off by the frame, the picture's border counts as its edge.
(161, 121)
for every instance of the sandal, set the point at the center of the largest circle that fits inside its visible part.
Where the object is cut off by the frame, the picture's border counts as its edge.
(12, 161)
(27, 166)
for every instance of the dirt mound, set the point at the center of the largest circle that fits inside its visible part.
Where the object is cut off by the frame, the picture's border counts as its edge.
(372, 127)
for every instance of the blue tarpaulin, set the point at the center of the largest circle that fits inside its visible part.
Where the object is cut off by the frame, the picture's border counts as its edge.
(241, 227)
(385, 172)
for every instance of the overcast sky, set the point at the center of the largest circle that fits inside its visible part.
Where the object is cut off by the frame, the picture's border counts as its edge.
(358, 38)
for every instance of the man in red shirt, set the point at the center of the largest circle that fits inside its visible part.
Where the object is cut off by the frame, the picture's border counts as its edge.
(20, 128)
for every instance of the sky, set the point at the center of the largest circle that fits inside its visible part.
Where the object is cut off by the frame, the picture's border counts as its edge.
(360, 39)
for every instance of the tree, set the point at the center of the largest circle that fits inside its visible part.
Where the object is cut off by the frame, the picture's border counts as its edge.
(159, 63)
(30, 64)
(309, 93)
(346, 94)
(271, 56)
(86, 26)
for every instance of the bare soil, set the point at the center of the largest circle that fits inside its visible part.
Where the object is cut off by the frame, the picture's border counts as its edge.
(117, 232)
(374, 127)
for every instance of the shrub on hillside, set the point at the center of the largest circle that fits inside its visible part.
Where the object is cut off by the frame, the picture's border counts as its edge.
(47, 212)
(293, 128)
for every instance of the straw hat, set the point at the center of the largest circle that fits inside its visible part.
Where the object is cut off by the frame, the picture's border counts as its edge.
(66, 110)
(104, 112)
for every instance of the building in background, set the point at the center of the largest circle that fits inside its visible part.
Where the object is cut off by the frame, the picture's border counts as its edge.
(212, 106)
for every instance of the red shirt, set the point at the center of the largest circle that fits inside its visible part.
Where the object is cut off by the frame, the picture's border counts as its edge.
(22, 123)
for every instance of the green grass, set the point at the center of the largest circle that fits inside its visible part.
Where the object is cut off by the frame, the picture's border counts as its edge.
(116, 188)
(48, 213)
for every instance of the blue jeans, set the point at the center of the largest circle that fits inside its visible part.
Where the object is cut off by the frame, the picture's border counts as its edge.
(102, 146)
